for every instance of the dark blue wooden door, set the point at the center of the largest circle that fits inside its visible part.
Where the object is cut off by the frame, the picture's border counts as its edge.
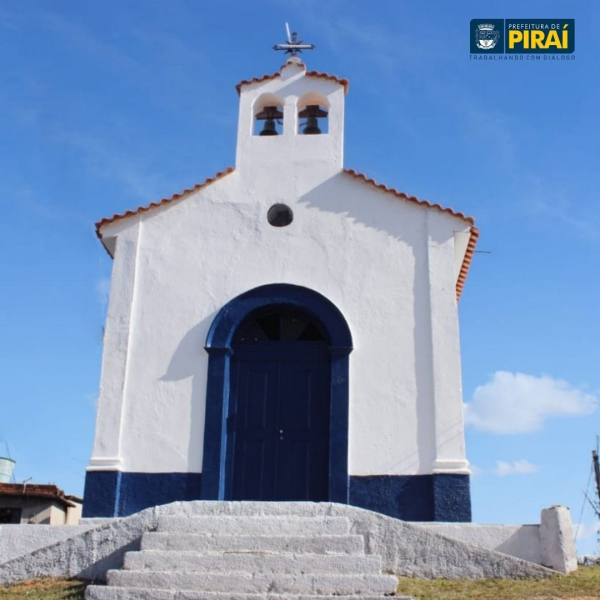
(279, 425)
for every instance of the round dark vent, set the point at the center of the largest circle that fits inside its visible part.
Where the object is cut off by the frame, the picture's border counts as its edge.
(280, 215)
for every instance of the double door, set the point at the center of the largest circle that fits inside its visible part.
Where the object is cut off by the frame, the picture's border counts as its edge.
(278, 428)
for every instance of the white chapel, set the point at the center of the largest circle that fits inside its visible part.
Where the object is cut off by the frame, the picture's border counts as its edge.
(285, 330)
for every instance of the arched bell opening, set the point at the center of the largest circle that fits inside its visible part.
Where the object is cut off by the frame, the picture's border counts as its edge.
(268, 115)
(313, 114)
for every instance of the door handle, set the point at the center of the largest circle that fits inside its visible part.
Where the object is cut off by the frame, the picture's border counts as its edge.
(281, 434)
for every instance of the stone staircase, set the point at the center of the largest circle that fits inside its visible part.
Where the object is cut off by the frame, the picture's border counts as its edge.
(248, 558)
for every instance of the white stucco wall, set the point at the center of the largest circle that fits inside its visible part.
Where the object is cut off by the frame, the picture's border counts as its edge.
(18, 540)
(522, 541)
(387, 264)
(551, 543)
(74, 514)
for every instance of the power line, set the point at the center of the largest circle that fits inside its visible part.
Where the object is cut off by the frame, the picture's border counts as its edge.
(583, 503)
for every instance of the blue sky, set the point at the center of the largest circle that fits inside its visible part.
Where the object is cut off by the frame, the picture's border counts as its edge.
(107, 106)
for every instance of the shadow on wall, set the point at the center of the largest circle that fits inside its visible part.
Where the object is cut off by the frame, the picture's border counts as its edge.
(524, 543)
(345, 195)
(138, 491)
(387, 213)
(191, 360)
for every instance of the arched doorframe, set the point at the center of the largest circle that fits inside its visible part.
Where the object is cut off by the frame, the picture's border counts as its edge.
(218, 346)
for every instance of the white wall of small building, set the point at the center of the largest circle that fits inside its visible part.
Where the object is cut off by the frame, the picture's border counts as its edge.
(38, 510)
(389, 265)
(74, 514)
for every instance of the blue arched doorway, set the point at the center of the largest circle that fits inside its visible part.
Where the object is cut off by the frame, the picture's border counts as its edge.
(265, 347)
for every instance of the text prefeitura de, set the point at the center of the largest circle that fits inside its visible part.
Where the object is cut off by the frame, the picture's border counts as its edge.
(534, 26)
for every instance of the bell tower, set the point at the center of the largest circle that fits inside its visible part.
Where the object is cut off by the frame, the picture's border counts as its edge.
(292, 119)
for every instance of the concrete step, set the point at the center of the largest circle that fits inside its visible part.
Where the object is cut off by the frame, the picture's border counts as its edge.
(245, 583)
(287, 525)
(95, 592)
(321, 544)
(251, 562)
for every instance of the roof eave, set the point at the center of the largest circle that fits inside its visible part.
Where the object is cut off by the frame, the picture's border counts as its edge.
(464, 269)
(341, 80)
(466, 263)
(164, 201)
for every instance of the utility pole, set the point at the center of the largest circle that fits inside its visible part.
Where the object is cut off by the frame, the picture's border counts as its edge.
(596, 470)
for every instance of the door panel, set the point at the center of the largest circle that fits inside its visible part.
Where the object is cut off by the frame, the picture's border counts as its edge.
(294, 471)
(254, 467)
(304, 419)
(281, 426)
(296, 392)
(254, 444)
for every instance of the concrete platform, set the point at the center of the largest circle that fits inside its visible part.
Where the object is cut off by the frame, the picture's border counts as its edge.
(306, 529)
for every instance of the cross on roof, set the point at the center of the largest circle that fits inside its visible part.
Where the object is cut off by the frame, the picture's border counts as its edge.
(293, 46)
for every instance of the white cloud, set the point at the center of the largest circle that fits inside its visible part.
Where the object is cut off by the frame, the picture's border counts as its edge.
(519, 403)
(517, 467)
(584, 531)
(103, 158)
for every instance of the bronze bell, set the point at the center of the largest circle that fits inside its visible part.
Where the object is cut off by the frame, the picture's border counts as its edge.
(311, 126)
(269, 114)
(312, 113)
(269, 128)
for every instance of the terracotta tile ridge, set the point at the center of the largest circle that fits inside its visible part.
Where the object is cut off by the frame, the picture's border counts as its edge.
(36, 490)
(162, 202)
(45, 489)
(464, 269)
(404, 196)
(238, 87)
(341, 80)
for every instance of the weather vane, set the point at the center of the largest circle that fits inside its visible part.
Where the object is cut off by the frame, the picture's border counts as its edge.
(293, 46)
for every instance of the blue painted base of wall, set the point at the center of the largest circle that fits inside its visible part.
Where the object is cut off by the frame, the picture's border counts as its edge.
(452, 498)
(116, 494)
(100, 494)
(407, 497)
(414, 497)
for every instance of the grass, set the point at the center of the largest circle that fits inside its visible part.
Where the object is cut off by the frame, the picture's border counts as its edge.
(46, 589)
(582, 585)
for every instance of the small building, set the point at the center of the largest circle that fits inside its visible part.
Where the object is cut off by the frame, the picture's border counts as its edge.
(286, 330)
(38, 504)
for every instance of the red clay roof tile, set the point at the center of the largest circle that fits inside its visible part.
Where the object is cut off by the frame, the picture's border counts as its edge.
(339, 80)
(464, 269)
(238, 87)
(36, 490)
(404, 196)
(462, 276)
(162, 202)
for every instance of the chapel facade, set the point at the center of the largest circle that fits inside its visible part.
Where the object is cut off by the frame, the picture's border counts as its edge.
(286, 330)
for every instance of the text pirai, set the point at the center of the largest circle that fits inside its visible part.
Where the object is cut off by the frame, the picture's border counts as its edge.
(540, 36)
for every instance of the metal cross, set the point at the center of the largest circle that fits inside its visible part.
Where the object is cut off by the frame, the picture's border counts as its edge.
(293, 46)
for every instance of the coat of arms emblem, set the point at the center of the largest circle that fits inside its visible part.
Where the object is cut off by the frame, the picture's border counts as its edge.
(486, 36)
